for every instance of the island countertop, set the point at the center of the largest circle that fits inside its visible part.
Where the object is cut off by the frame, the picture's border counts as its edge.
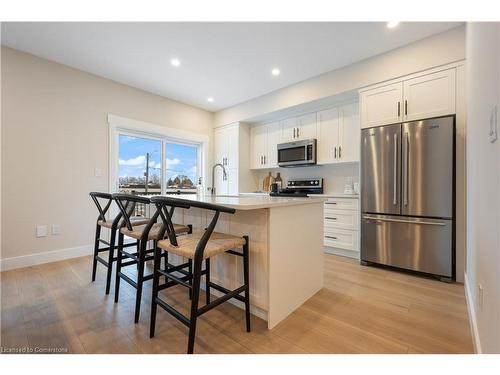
(251, 202)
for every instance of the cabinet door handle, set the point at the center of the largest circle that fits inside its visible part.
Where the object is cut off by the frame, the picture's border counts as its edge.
(340, 152)
(331, 218)
(264, 159)
(330, 202)
(298, 132)
(335, 153)
(406, 107)
(399, 109)
(260, 159)
(333, 238)
(293, 133)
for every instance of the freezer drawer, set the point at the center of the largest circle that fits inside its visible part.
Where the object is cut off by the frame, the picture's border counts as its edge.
(418, 244)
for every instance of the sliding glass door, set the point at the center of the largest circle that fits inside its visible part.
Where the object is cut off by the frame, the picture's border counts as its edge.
(156, 165)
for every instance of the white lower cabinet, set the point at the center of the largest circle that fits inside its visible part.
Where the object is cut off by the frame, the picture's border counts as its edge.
(341, 226)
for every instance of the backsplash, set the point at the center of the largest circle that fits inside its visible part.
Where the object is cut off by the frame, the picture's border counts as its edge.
(334, 175)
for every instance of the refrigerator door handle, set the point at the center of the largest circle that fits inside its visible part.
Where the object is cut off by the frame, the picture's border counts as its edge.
(403, 221)
(395, 171)
(406, 161)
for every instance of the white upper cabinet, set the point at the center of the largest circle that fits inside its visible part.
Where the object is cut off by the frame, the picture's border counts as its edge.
(258, 149)
(273, 138)
(226, 142)
(306, 128)
(289, 129)
(349, 133)
(297, 128)
(264, 141)
(382, 105)
(416, 97)
(338, 134)
(232, 147)
(430, 95)
(328, 135)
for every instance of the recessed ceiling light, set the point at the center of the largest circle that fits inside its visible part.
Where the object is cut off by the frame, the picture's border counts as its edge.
(210, 99)
(175, 62)
(392, 24)
(275, 72)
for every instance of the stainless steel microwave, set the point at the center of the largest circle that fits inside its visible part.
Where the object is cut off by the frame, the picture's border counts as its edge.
(298, 153)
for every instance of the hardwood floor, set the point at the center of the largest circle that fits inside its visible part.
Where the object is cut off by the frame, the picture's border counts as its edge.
(360, 310)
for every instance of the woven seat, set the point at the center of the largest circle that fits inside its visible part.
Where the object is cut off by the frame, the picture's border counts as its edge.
(218, 243)
(137, 230)
(136, 220)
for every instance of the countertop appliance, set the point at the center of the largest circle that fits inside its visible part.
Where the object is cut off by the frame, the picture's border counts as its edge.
(297, 154)
(408, 196)
(300, 187)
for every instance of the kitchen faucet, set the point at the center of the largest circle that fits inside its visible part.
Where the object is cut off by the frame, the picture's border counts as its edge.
(224, 176)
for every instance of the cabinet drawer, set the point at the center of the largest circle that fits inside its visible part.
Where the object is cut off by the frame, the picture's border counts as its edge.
(342, 239)
(341, 219)
(341, 204)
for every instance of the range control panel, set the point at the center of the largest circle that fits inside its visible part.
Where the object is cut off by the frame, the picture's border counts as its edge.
(313, 185)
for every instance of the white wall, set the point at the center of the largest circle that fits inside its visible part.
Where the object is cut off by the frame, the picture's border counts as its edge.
(483, 183)
(434, 51)
(54, 133)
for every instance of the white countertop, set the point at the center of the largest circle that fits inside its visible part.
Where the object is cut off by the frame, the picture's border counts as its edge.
(253, 201)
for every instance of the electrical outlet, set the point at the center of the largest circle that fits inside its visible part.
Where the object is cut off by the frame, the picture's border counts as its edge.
(480, 296)
(494, 124)
(56, 229)
(41, 231)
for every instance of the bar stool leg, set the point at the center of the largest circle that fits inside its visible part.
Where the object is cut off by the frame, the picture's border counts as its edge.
(190, 281)
(246, 281)
(207, 279)
(118, 266)
(96, 250)
(156, 282)
(110, 259)
(194, 304)
(140, 279)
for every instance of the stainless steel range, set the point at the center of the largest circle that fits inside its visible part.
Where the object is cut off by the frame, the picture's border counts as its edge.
(301, 187)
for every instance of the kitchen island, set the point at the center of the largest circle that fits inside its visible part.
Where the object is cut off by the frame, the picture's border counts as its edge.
(286, 249)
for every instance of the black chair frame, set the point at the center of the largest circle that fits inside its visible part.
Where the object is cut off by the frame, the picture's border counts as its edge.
(110, 246)
(126, 203)
(192, 281)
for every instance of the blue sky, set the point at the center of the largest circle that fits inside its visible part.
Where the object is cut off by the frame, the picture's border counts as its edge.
(181, 159)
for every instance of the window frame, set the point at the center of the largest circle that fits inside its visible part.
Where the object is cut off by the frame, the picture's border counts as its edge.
(124, 126)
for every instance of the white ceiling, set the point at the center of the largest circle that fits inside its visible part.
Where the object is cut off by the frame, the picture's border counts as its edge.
(230, 62)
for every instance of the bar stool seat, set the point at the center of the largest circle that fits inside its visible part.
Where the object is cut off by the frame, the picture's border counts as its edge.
(136, 220)
(138, 230)
(217, 244)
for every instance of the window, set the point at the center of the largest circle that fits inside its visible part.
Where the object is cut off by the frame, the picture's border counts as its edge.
(181, 167)
(156, 165)
(139, 165)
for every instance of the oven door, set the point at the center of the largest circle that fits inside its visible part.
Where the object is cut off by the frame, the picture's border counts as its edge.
(297, 153)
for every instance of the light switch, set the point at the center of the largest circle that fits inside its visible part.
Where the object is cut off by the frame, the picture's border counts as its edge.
(56, 229)
(97, 172)
(494, 124)
(41, 231)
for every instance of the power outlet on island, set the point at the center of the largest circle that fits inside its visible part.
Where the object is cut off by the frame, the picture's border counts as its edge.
(41, 231)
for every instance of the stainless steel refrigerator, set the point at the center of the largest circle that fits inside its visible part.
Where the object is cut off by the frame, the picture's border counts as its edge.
(408, 195)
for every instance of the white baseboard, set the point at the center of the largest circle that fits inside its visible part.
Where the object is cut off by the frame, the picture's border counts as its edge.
(45, 257)
(472, 315)
(345, 253)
